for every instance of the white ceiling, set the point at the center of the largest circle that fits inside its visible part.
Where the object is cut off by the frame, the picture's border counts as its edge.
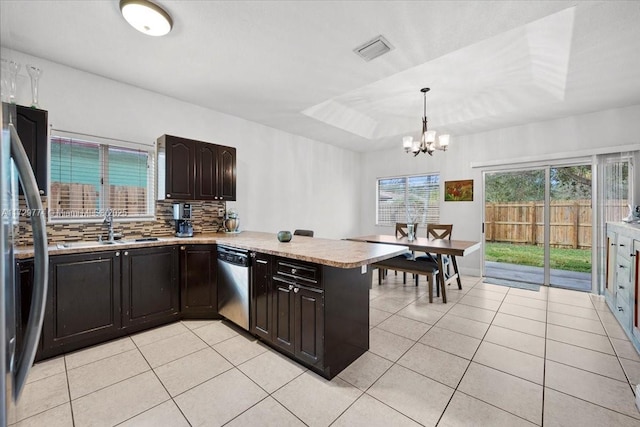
(291, 66)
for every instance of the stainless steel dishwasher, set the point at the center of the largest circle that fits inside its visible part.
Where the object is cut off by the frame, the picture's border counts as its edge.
(233, 284)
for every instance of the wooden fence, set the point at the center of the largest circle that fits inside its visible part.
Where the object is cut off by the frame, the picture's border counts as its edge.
(523, 222)
(77, 200)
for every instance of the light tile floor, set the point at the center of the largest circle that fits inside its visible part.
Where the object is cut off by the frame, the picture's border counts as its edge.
(492, 356)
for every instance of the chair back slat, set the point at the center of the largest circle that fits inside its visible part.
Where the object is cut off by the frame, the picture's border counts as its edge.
(439, 231)
(401, 229)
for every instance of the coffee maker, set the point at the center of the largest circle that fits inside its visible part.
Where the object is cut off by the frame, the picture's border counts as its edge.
(182, 217)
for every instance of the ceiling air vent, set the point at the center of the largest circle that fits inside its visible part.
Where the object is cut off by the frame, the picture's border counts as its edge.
(373, 48)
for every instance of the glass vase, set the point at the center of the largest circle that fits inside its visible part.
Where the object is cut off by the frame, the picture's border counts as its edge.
(411, 233)
(34, 73)
(13, 68)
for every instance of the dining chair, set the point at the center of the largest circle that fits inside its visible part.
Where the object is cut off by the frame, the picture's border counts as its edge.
(308, 233)
(402, 230)
(449, 263)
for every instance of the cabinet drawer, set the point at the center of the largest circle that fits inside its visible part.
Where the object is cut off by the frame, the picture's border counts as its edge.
(624, 247)
(622, 310)
(623, 273)
(309, 273)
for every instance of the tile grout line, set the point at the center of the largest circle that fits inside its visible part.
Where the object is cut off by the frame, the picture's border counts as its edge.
(467, 369)
(624, 371)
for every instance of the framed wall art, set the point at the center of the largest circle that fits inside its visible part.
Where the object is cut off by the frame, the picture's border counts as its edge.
(458, 191)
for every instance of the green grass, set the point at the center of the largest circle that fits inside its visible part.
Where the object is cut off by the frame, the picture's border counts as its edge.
(562, 259)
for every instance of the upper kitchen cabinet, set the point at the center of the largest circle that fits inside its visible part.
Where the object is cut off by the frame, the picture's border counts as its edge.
(31, 125)
(195, 170)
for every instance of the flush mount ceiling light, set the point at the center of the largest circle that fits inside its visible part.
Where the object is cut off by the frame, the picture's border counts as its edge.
(427, 143)
(146, 17)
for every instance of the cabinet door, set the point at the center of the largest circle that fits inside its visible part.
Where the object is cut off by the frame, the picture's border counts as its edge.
(198, 290)
(206, 171)
(150, 290)
(83, 300)
(309, 324)
(227, 173)
(610, 280)
(32, 128)
(24, 291)
(180, 168)
(261, 301)
(283, 314)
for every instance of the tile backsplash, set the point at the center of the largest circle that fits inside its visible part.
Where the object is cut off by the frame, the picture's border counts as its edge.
(205, 220)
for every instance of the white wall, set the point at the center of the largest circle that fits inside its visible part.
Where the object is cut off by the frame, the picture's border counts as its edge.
(284, 181)
(576, 135)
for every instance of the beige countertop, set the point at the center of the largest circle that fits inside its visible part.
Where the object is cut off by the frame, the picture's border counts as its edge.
(335, 253)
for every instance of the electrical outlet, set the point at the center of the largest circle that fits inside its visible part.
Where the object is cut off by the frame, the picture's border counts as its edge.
(220, 213)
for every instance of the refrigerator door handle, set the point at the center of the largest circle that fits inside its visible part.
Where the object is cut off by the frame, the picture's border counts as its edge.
(40, 262)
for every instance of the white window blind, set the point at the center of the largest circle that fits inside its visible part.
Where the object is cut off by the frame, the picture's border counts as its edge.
(409, 199)
(90, 175)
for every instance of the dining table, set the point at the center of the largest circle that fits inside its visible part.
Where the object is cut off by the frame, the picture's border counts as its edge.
(439, 247)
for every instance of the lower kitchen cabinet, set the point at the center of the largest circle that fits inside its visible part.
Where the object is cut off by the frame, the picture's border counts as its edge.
(83, 301)
(315, 314)
(150, 289)
(198, 290)
(24, 292)
(309, 324)
(261, 300)
(283, 329)
(622, 287)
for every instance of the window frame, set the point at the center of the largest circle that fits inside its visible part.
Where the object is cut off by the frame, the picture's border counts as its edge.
(406, 193)
(104, 143)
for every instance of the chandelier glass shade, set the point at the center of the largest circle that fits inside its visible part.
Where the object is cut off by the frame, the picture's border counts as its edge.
(427, 142)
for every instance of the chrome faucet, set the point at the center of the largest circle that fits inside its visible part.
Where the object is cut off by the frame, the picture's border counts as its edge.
(108, 219)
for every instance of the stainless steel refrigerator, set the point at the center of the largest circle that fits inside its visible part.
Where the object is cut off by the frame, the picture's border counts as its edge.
(14, 165)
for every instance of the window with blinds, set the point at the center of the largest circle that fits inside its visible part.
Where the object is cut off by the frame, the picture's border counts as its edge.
(408, 199)
(90, 175)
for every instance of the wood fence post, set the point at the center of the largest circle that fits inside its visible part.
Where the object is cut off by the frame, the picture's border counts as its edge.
(532, 222)
(576, 224)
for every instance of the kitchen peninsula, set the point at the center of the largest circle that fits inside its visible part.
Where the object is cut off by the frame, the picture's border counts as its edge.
(309, 298)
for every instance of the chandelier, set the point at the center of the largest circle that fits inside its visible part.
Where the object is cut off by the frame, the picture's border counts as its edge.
(427, 143)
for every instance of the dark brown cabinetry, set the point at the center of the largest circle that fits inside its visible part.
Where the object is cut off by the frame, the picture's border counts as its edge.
(195, 170)
(31, 124)
(83, 301)
(150, 289)
(180, 167)
(295, 298)
(24, 291)
(198, 290)
(261, 304)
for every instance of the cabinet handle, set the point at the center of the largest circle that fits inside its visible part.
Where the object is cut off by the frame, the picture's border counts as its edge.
(182, 248)
(620, 308)
(126, 253)
(261, 261)
(117, 253)
(168, 195)
(290, 287)
(620, 287)
(613, 244)
(632, 254)
(41, 192)
(622, 266)
(296, 290)
(294, 271)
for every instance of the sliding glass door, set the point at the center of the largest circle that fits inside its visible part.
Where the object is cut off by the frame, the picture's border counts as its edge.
(513, 226)
(538, 226)
(570, 226)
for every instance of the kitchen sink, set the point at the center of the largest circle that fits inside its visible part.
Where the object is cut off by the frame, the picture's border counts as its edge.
(82, 244)
(93, 243)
